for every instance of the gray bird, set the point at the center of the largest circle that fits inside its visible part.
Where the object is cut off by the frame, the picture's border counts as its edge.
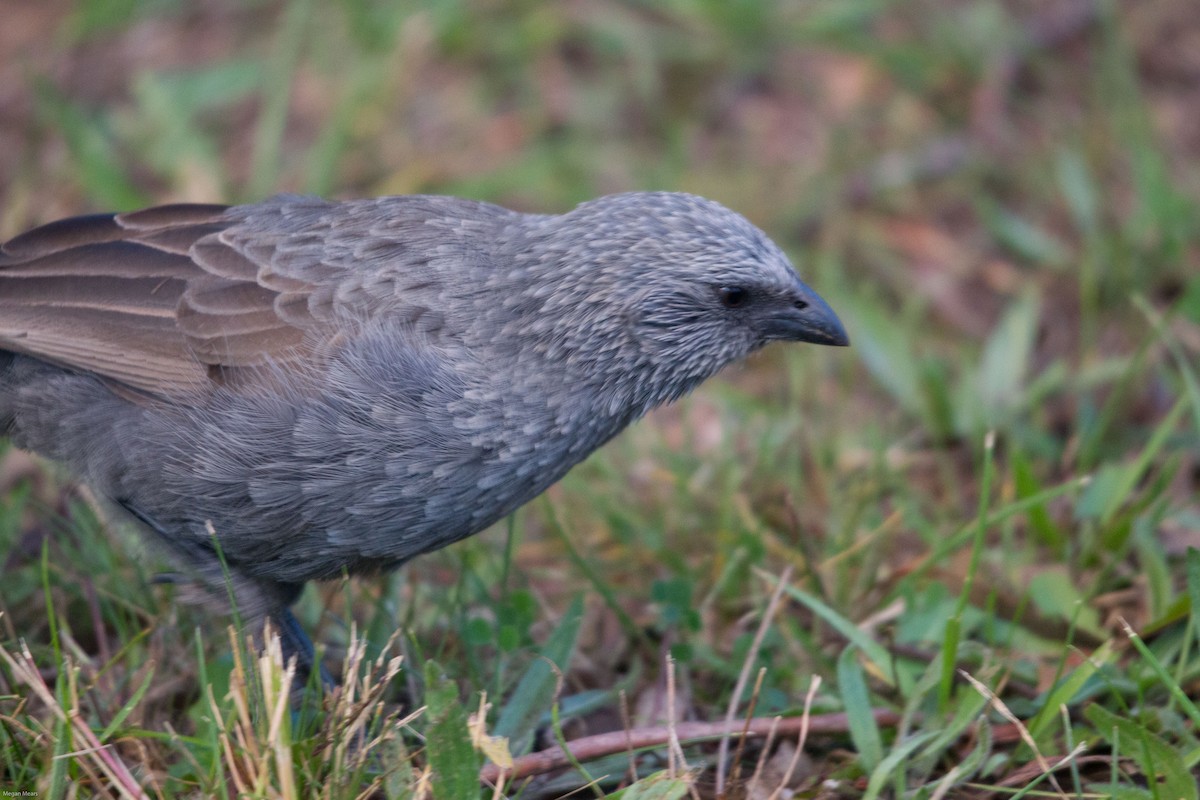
(339, 387)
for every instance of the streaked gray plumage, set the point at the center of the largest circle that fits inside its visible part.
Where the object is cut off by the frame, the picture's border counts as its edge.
(343, 386)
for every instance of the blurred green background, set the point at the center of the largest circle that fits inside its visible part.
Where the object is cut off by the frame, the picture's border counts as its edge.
(1001, 200)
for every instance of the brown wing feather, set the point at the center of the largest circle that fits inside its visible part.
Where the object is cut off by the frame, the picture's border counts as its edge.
(179, 240)
(142, 351)
(172, 215)
(151, 296)
(64, 234)
(151, 299)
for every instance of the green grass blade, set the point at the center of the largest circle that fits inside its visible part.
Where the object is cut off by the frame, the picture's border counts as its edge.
(1062, 692)
(888, 767)
(1131, 474)
(954, 624)
(874, 651)
(856, 699)
(125, 710)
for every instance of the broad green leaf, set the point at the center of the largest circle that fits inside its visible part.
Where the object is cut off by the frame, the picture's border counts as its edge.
(452, 757)
(538, 687)
(659, 786)
(1157, 759)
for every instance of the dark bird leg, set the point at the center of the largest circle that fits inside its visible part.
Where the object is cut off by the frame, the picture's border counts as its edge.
(253, 601)
(295, 643)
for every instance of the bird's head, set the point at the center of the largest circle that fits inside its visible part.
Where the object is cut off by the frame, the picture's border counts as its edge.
(696, 285)
(665, 287)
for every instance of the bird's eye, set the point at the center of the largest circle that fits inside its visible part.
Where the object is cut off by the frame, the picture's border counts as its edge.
(733, 296)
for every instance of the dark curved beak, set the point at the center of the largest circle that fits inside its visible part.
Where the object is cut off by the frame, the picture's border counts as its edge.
(805, 317)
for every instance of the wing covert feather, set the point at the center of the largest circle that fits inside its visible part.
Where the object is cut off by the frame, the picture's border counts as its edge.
(169, 299)
(150, 299)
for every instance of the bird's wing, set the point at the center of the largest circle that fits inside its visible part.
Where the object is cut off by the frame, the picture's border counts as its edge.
(169, 300)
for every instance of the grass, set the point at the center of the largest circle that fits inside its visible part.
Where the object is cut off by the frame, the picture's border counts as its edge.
(986, 509)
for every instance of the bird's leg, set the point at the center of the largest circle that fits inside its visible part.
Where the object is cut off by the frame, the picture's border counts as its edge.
(294, 642)
(251, 601)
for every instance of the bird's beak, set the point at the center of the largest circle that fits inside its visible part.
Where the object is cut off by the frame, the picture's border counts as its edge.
(806, 318)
